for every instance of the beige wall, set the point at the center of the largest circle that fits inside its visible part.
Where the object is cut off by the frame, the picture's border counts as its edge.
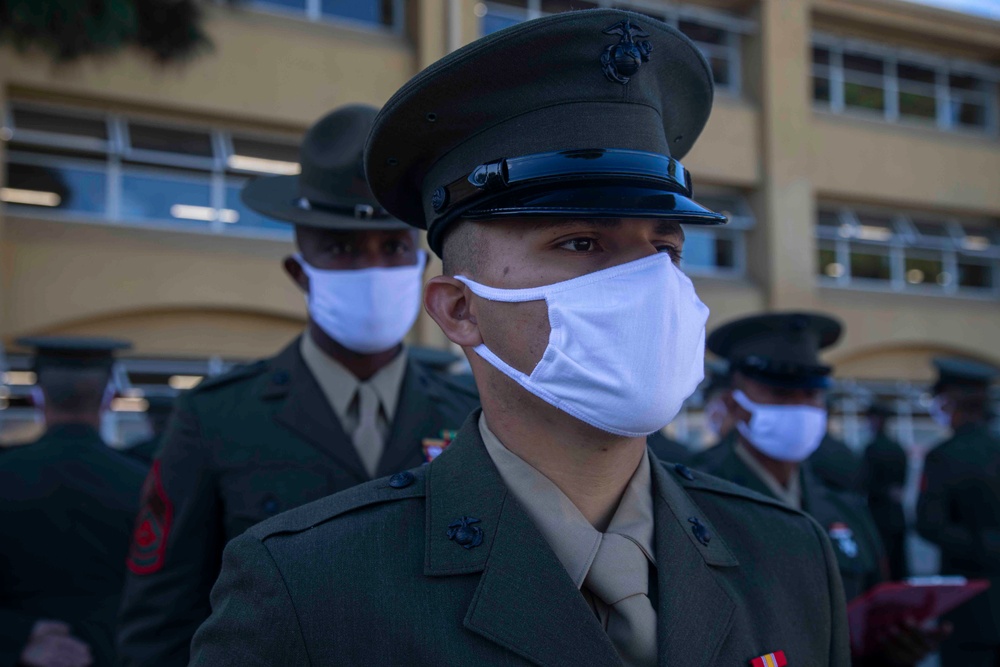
(200, 295)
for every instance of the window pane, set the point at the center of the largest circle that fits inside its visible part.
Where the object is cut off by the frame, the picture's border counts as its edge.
(170, 140)
(263, 156)
(247, 217)
(499, 16)
(821, 89)
(856, 62)
(864, 97)
(368, 11)
(163, 197)
(968, 114)
(874, 227)
(974, 273)
(699, 249)
(821, 56)
(700, 32)
(925, 269)
(870, 262)
(960, 82)
(828, 219)
(725, 252)
(828, 265)
(59, 123)
(720, 70)
(56, 188)
(916, 73)
(917, 106)
(931, 229)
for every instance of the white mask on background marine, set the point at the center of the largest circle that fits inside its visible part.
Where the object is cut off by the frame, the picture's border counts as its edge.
(715, 415)
(365, 310)
(626, 347)
(109, 419)
(783, 432)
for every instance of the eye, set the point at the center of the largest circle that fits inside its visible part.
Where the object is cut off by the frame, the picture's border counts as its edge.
(672, 250)
(338, 248)
(579, 244)
(395, 247)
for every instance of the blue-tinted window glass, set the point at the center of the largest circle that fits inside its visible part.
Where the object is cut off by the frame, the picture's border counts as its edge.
(247, 216)
(699, 249)
(368, 11)
(57, 188)
(166, 198)
(498, 17)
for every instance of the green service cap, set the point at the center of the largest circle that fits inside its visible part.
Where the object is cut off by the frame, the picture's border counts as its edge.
(780, 349)
(579, 114)
(963, 373)
(73, 351)
(330, 192)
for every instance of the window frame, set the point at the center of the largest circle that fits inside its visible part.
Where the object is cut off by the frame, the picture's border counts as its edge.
(115, 157)
(949, 247)
(891, 86)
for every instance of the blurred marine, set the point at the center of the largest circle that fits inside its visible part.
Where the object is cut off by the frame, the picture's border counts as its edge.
(67, 503)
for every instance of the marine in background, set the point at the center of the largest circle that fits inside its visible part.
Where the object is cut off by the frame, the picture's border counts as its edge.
(67, 503)
(777, 402)
(886, 468)
(344, 403)
(959, 506)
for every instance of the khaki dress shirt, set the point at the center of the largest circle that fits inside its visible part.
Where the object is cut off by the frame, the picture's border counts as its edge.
(790, 495)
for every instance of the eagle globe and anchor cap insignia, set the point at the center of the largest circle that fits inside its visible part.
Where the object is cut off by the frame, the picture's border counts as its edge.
(621, 61)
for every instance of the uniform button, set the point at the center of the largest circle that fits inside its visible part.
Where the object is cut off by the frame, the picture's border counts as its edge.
(280, 377)
(684, 471)
(401, 480)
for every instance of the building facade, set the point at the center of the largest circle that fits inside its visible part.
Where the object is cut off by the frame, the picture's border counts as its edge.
(854, 144)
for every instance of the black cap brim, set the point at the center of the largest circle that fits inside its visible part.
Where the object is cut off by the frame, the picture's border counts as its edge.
(277, 197)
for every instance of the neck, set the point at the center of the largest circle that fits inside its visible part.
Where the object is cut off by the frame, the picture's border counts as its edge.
(590, 466)
(91, 419)
(361, 366)
(783, 471)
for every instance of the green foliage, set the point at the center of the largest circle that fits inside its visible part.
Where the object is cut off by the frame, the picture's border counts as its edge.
(69, 29)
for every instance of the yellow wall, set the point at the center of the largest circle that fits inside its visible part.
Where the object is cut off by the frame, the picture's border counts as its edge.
(200, 295)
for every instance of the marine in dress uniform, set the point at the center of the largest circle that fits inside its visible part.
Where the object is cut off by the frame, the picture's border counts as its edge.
(886, 467)
(546, 533)
(959, 507)
(343, 404)
(158, 413)
(68, 502)
(776, 401)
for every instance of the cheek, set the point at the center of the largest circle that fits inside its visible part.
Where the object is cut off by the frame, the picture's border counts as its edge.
(518, 333)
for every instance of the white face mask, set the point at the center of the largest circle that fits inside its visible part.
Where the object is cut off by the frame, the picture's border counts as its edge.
(783, 432)
(938, 413)
(365, 310)
(715, 416)
(626, 347)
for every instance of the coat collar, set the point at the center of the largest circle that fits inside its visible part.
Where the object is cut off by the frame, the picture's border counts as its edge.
(525, 600)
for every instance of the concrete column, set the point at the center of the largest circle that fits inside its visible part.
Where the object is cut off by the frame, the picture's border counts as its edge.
(786, 264)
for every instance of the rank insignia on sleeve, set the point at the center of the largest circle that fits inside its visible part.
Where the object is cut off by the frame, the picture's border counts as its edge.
(843, 536)
(152, 525)
(434, 446)
(776, 659)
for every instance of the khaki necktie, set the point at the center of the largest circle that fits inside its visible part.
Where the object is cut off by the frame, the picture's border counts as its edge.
(619, 576)
(367, 439)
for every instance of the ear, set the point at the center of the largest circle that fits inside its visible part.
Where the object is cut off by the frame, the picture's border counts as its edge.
(735, 410)
(448, 303)
(297, 274)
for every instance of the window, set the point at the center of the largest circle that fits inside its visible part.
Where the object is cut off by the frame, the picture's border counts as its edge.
(92, 166)
(908, 253)
(369, 13)
(717, 34)
(897, 85)
(719, 251)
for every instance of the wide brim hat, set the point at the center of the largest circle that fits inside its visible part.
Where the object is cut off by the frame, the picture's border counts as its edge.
(778, 349)
(966, 374)
(330, 192)
(578, 114)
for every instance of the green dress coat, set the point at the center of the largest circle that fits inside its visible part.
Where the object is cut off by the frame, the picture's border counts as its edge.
(959, 511)
(241, 448)
(886, 468)
(442, 566)
(68, 503)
